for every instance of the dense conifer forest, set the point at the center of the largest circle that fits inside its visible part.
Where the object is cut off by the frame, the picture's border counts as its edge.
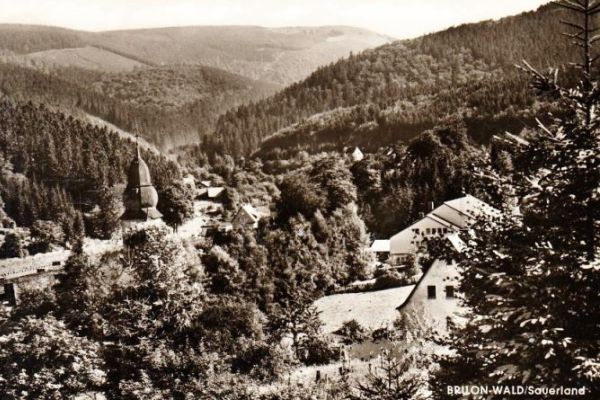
(398, 90)
(169, 105)
(53, 163)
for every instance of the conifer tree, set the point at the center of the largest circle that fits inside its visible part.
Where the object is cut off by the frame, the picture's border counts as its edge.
(532, 281)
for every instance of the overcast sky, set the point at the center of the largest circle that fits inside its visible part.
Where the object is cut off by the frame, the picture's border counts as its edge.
(398, 18)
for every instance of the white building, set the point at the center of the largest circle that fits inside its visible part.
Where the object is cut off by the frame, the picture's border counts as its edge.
(357, 155)
(435, 298)
(381, 248)
(451, 217)
(189, 181)
(249, 215)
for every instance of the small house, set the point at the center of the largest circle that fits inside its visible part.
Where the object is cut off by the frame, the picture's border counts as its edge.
(189, 181)
(357, 155)
(434, 300)
(381, 248)
(249, 215)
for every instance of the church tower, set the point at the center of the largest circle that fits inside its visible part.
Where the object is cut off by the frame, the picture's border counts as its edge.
(140, 198)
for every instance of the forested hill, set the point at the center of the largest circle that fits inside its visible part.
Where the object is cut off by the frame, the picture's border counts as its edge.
(275, 55)
(50, 161)
(172, 82)
(170, 105)
(397, 90)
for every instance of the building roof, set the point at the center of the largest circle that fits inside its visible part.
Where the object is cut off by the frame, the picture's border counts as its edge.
(473, 207)
(214, 192)
(252, 212)
(189, 178)
(436, 264)
(456, 242)
(456, 214)
(372, 310)
(380, 246)
(357, 155)
(140, 196)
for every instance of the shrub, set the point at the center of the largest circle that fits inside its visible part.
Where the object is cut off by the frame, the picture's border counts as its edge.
(390, 279)
(317, 351)
(352, 332)
(261, 360)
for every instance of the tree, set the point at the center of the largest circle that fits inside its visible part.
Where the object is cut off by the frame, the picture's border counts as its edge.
(162, 296)
(297, 318)
(391, 379)
(46, 234)
(335, 180)
(105, 222)
(81, 293)
(41, 358)
(299, 196)
(532, 282)
(223, 271)
(176, 204)
(13, 246)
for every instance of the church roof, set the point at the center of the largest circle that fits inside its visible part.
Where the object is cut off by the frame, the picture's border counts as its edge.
(140, 196)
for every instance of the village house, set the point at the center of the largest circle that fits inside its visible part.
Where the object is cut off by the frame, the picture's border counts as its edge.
(249, 216)
(212, 193)
(381, 248)
(357, 155)
(433, 300)
(190, 182)
(450, 217)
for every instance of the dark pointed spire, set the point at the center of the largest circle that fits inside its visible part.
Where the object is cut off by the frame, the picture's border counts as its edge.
(141, 197)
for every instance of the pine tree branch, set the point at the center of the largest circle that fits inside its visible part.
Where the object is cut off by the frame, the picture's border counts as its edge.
(576, 36)
(570, 5)
(573, 25)
(592, 10)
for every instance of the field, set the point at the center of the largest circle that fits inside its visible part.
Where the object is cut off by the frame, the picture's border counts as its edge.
(372, 310)
(88, 57)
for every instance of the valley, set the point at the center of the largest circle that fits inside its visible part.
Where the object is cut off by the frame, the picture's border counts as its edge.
(301, 213)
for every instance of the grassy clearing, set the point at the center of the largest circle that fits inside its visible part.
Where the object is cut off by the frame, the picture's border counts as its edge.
(372, 310)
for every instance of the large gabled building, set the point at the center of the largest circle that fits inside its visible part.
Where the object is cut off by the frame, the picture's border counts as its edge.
(433, 301)
(450, 217)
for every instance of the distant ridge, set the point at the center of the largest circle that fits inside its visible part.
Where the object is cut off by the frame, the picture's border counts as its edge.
(277, 55)
(391, 93)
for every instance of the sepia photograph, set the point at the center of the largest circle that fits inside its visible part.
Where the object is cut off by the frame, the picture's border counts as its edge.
(299, 200)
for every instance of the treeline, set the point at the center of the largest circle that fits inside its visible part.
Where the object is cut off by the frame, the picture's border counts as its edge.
(398, 184)
(52, 162)
(407, 86)
(29, 38)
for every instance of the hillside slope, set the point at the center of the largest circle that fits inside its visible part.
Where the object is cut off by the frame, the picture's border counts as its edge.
(170, 106)
(276, 55)
(87, 57)
(395, 91)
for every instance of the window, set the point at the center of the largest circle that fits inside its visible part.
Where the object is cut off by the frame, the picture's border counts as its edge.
(428, 231)
(449, 292)
(431, 292)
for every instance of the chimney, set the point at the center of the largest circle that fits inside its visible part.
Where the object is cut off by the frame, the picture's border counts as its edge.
(421, 215)
(432, 206)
